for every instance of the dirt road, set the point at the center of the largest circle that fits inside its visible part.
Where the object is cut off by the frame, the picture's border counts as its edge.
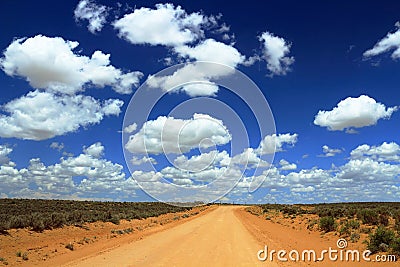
(216, 239)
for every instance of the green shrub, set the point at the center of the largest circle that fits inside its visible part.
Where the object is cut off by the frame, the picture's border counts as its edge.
(58, 220)
(327, 224)
(354, 237)
(396, 246)
(380, 239)
(384, 219)
(368, 216)
(353, 224)
(38, 224)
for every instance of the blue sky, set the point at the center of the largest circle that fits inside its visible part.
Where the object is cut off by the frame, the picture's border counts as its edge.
(327, 69)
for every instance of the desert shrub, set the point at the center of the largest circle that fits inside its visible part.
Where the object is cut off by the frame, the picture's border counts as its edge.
(57, 220)
(327, 224)
(353, 224)
(25, 256)
(19, 221)
(368, 216)
(397, 222)
(395, 246)
(4, 226)
(354, 237)
(311, 224)
(350, 212)
(380, 240)
(37, 223)
(348, 226)
(330, 211)
(69, 246)
(384, 219)
(114, 219)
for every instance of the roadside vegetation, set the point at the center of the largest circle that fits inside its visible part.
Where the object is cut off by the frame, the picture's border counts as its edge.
(379, 221)
(39, 215)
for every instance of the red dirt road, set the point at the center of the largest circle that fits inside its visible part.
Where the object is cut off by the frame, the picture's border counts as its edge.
(217, 238)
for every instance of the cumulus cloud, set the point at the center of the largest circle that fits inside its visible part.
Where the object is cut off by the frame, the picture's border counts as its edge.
(170, 135)
(250, 159)
(368, 170)
(212, 50)
(195, 79)
(372, 172)
(275, 53)
(50, 63)
(330, 152)
(274, 143)
(4, 151)
(56, 145)
(96, 150)
(353, 113)
(94, 13)
(390, 42)
(184, 35)
(144, 159)
(99, 178)
(286, 165)
(384, 152)
(130, 128)
(203, 161)
(43, 115)
(165, 25)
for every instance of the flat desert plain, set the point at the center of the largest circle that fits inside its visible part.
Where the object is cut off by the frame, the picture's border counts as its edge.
(204, 236)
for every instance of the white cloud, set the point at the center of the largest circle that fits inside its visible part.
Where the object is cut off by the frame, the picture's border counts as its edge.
(43, 115)
(144, 159)
(199, 89)
(50, 63)
(96, 150)
(274, 143)
(249, 158)
(390, 42)
(170, 135)
(184, 34)
(212, 50)
(99, 178)
(95, 14)
(330, 152)
(203, 161)
(194, 79)
(57, 146)
(4, 151)
(368, 171)
(165, 25)
(200, 75)
(384, 152)
(353, 113)
(286, 166)
(275, 53)
(202, 176)
(130, 128)
(303, 189)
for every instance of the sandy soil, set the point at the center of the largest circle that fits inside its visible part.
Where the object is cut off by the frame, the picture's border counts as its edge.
(215, 239)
